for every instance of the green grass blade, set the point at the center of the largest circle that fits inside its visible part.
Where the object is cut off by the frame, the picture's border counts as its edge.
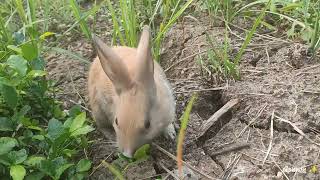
(116, 27)
(250, 34)
(173, 20)
(21, 12)
(249, 5)
(70, 54)
(183, 127)
(76, 12)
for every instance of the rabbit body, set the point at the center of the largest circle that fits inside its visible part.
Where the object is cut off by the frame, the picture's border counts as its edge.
(129, 91)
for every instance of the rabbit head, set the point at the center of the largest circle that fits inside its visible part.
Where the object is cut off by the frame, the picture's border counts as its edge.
(135, 89)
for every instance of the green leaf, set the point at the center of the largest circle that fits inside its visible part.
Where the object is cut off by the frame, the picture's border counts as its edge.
(38, 64)
(83, 130)
(10, 95)
(69, 152)
(61, 169)
(15, 48)
(68, 122)
(34, 160)
(74, 111)
(35, 175)
(83, 165)
(6, 144)
(55, 129)
(17, 172)
(6, 124)
(46, 34)
(48, 167)
(115, 171)
(36, 73)
(38, 137)
(17, 157)
(19, 116)
(54, 168)
(29, 51)
(142, 152)
(35, 128)
(18, 63)
(78, 122)
(5, 81)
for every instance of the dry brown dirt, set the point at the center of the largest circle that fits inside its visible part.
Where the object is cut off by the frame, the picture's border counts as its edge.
(279, 84)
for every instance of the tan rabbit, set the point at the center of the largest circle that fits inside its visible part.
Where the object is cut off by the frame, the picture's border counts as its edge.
(129, 91)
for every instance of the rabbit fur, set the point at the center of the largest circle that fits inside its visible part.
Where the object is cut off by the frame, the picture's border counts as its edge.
(129, 91)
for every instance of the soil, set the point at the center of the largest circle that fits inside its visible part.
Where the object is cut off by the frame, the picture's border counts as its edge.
(279, 84)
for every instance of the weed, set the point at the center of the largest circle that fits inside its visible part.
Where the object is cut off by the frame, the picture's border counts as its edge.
(38, 139)
(218, 58)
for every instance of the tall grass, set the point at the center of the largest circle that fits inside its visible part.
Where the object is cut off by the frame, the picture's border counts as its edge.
(218, 57)
(127, 22)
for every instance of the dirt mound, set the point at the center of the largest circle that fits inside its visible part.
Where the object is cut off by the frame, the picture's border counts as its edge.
(283, 81)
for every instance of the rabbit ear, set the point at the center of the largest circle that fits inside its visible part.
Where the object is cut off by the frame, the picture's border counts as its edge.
(112, 65)
(145, 66)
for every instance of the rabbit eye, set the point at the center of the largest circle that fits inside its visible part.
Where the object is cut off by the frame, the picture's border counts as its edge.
(116, 120)
(147, 124)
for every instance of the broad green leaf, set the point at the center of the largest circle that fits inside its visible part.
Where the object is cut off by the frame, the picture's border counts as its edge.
(17, 172)
(83, 165)
(142, 152)
(34, 160)
(48, 167)
(68, 122)
(36, 73)
(6, 144)
(5, 81)
(35, 175)
(19, 37)
(38, 64)
(38, 137)
(78, 122)
(74, 111)
(69, 152)
(6, 124)
(61, 169)
(18, 63)
(83, 130)
(15, 48)
(78, 176)
(29, 51)
(55, 129)
(10, 95)
(46, 34)
(18, 116)
(17, 157)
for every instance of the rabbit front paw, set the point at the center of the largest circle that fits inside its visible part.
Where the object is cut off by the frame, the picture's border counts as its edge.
(170, 132)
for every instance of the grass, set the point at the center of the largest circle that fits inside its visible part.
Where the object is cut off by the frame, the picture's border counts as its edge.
(127, 22)
(302, 15)
(38, 138)
(184, 123)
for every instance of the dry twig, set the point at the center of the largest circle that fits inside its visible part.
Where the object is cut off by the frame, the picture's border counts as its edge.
(235, 147)
(271, 139)
(216, 116)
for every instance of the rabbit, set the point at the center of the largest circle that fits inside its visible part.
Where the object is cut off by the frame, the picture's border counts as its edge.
(129, 91)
